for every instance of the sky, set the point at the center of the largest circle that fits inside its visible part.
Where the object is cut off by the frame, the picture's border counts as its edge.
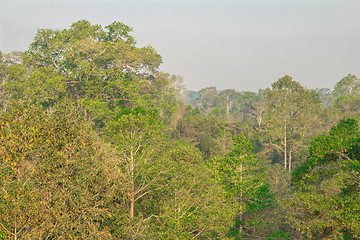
(244, 45)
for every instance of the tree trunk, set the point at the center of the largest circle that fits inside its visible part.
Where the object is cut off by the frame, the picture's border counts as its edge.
(259, 117)
(132, 187)
(15, 231)
(241, 199)
(285, 148)
(290, 161)
(132, 203)
(227, 112)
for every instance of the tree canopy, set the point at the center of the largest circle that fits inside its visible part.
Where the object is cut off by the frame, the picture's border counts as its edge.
(97, 143)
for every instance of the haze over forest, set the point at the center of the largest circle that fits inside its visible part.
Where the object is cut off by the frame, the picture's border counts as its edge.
(242, 44)
(97, 141)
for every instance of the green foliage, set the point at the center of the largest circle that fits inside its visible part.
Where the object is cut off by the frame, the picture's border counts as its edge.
(193, 205)
(3, 235)
(7, 61)
(348, 86)
(329, 185)
(205, 133)
(95, 67)
(186, 152)
(290, 111)
(167, 171)
(51, 174)
(3, 76)
(228, 105)
(238, 172)
(139, 171)
(346, 107)
(279, 235)
(227, 169)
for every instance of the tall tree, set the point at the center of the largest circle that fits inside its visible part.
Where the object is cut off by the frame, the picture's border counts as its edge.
(207, 99)
(347, 86)
(326, 96)
(98, 68)
(239, 174)
(7, 60)
(193, 206)
(136, 135)
(3, 75)
(327, 203)
(52, 175)
(229, 102)
(140, 170)
(290, 111)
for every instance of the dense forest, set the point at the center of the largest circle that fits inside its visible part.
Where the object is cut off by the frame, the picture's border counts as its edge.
(97, 143)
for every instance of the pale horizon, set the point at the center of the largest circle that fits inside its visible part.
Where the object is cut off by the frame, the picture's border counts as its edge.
(244, 45)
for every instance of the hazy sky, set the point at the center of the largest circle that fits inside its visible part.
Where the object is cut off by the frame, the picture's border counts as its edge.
(239, 44)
